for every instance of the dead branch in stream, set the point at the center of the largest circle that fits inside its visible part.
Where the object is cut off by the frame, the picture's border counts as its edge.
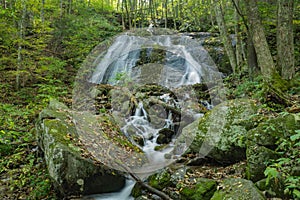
(146, 186)
(150, 188)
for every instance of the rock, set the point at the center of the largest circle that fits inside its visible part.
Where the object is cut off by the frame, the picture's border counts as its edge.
(161, 179)
(71, 173)
(274, 188)
(257, 157)
(221, 133)
(204, 189)
(237, 188)
(164, 136)
(262, 142)
(267, 133)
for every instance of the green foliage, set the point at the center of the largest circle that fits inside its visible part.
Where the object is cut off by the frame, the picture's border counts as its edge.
(77, 34)
(43, 46)
(287, 165)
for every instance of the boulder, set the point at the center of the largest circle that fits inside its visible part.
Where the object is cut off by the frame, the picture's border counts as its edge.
(72, 174)
(237, 188)
(221, 133)
(165, 136)
(257, 157)
(262, 142)
(203, 189)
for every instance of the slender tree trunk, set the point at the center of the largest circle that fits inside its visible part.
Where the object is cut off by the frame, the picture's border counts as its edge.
(69, 7)
(224, 34)
(285, 38)
(174, 14)
(238, 46)
(43, 12)
(3, 3)
(264, 57)
(21, 38)
(166, 13)
(123, 14)
(61, 9)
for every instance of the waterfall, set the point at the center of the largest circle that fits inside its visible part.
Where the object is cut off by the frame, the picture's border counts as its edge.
(179, 61)
(167, 63)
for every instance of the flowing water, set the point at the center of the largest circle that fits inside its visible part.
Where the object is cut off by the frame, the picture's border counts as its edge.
(171, 61)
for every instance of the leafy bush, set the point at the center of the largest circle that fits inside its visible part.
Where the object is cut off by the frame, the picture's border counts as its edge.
(288, 165)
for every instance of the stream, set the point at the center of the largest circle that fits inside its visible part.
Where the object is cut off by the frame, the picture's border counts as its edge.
(170, 61)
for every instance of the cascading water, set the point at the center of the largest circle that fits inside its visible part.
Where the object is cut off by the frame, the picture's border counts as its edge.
(169, 62)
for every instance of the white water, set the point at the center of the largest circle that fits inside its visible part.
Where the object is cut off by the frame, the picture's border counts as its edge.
(143, 128)
(124, 194)
(186, 62)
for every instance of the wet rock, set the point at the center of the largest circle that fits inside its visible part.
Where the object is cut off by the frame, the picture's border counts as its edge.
(72, 174)
(139, 140)
(237, 188)
(164, 136)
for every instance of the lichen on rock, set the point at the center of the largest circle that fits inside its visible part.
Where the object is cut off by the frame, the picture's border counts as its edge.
(72, 174)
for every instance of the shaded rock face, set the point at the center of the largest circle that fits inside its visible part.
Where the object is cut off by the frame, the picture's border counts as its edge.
(72, 174)
(262, 142)
(221, 133)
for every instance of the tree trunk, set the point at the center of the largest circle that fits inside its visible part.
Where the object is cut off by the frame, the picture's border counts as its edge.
(61, 8)
(239, 42)
(21, 38)
(285, 38)
(43, 13)
(251, 57)
(264, 57)
(166, 13)
(224, 34)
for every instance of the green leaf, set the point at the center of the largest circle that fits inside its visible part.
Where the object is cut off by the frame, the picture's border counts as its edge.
(295, 137)
(296, 193)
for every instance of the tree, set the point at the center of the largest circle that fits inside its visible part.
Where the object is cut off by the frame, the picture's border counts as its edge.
(224, 34)
(285, 38)
(256, 31)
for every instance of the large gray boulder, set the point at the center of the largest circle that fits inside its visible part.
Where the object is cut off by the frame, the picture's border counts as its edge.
(221, 133)
(237, 188)
(72, 174)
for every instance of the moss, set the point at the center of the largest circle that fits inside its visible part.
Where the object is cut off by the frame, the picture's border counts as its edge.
(279, 83)
(61, 134)
(223, 128)
(204, 189)
(160, 180)
(257, 157)
(238, 189)
(136, 191)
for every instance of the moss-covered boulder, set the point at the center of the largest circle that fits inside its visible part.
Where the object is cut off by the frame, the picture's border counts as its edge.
(203, 189)
(262, 142)
(221, 133)
(237, 189)
(274, 187)
(161, 179)
(72, 173)
(257, 157)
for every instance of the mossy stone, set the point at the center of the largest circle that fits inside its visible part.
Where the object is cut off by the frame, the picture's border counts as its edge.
(221, 133)
(256, 161)
(160, 180)
(72, 174)
(204, 189)
(237, 189)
